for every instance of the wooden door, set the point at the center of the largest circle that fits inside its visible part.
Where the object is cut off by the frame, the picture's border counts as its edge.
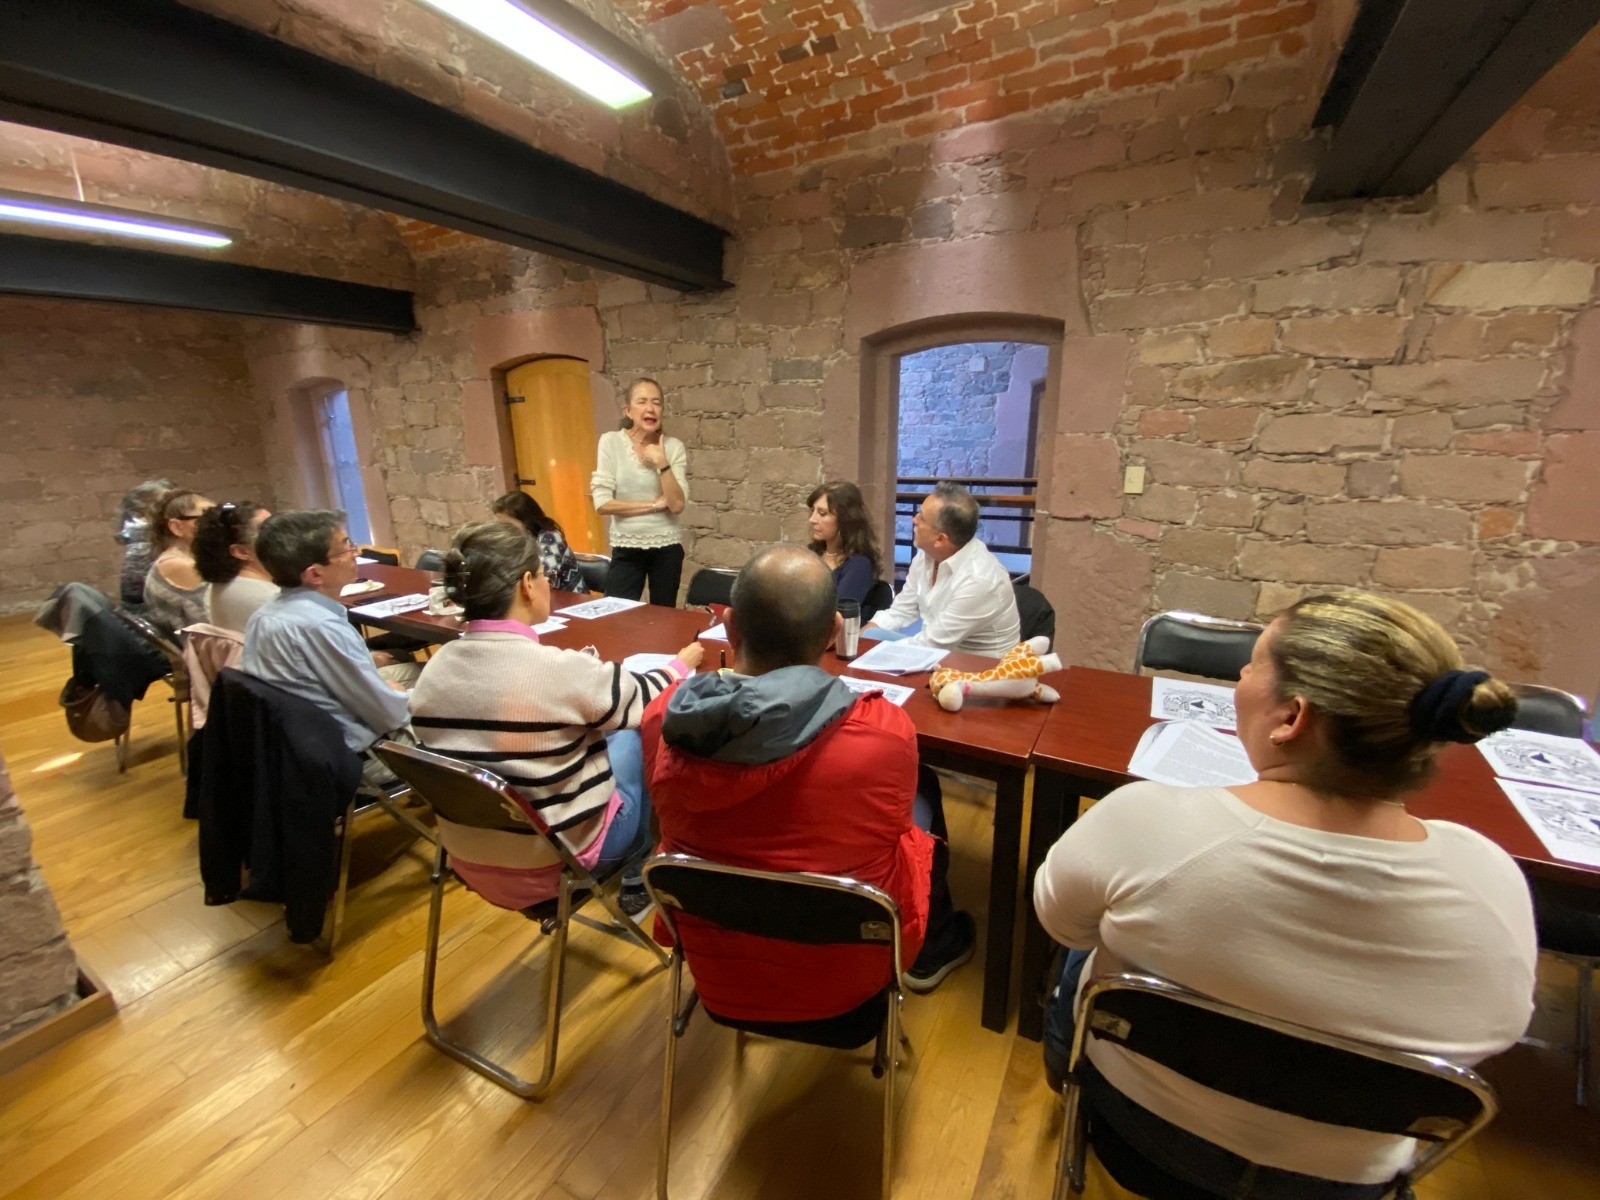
(552, 428)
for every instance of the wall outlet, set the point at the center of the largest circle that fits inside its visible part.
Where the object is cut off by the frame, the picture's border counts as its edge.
(1133, 481)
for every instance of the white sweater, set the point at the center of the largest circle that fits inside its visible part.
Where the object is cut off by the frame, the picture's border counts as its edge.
(1426, 946)
(537, 716)
(619, 475)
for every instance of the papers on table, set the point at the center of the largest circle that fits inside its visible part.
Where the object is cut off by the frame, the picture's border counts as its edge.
(1567, 822)
(1543, 758)
(1189, 754)
(638, 664)
(897, 658)
(550, 626)
(895, 693)
(717, 633)
(365, 561)
(1181, 700)
(392, 608)
(603, 607)
(360, 587)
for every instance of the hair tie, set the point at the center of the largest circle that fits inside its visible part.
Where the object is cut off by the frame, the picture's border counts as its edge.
(1436, 711)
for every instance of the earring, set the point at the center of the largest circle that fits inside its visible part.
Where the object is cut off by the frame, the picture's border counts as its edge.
(1276, 741)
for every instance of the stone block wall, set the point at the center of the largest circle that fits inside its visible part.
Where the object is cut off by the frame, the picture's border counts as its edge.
(94, 399)
(38, 970)
(948, 407)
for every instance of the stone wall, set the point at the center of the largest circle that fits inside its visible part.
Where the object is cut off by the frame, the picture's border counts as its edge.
(38, 970)
(948, 407)
(94, 399)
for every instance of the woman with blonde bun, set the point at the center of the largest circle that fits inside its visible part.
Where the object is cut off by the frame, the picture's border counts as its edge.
(1310, 895)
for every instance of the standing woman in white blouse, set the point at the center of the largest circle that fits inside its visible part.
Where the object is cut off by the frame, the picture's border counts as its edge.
(641, 481)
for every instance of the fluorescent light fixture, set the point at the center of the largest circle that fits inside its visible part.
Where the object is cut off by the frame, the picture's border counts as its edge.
(545, 46)
(98, 218)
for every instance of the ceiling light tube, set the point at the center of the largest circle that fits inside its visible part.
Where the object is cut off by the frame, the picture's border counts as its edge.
(546, 47)
(99, 218)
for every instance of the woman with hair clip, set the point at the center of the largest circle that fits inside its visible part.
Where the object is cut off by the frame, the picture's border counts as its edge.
(558, 725)
(841, 533)
(641, 481)
(174, 592)
(560, 564)
(1310, 895)
(225, 556)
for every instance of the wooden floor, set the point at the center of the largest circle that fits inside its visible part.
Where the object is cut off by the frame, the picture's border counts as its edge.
(241, 1066)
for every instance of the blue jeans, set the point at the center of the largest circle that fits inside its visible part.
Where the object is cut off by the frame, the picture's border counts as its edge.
(630, 838)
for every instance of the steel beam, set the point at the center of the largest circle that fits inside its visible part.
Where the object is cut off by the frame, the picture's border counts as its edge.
(157, 76)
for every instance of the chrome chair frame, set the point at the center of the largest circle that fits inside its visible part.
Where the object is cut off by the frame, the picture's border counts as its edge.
(1074, 1142)
(890, 1036)
(368, 798)
(176, 678)
(1193, 620)
(575, 878)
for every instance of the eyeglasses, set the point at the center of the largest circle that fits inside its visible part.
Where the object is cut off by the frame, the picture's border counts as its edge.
(349, 548)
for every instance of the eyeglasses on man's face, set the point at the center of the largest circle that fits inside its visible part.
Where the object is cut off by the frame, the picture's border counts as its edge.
(347, 548)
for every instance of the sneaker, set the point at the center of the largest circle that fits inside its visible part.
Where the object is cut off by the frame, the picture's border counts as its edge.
(935, 962)
(634, 900)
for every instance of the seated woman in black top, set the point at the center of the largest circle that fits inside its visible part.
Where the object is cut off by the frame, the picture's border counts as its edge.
(842, 534)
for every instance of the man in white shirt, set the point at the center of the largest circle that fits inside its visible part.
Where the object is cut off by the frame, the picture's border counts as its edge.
(959, 591)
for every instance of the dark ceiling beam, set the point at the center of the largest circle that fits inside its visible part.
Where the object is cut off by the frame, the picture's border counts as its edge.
(66, 270)
(157, 76)
(1420, 81)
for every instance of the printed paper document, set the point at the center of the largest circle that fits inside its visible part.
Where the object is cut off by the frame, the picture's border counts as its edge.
(897, 658)
(1182, 700)
(1189, 754)
(391, 608)
(1567, 822)
(896, 693)
(603, 607)
(1543, 758)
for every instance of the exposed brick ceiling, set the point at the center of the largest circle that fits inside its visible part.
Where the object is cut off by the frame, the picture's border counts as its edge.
(808, 79)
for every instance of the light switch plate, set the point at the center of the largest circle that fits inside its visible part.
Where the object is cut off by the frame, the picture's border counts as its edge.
(1133, 481)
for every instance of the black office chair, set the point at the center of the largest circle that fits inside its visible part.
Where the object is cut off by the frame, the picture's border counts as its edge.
(799, 907)
(879, 597)
(1196, 644)
(469, 797)
(176, 678)
(1566, 916)
(711, 585)
(1037, 616)
(595, 568)
(387, 558)
(431, 560)
(1275, 1064)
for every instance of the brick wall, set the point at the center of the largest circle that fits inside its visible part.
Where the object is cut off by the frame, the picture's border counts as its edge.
(38, 970)
(93, 399)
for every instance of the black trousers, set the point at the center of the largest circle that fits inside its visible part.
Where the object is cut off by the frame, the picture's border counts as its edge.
(929, 815)
(631, 567)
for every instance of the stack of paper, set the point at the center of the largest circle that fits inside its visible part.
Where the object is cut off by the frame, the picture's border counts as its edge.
(899, 658)
(1554, 782)
(392, 608)
(1181, 700)
(1189, 754)
(603, 607)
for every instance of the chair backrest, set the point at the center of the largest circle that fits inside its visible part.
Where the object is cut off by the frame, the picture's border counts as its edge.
(1286, 1067)
(378, 554)
(1196, 644)
(711, 585)
(430, 560)
(879, 597)
(1548, 710)
(595, 568)
(1037, 615)
(799, 906)
(157, 641)
(470, 796)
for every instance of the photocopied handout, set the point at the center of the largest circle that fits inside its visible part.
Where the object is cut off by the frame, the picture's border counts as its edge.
(1567, 822)
(1543, 758)
(361, 587)
(549, 625)
(392, 608)
(895, 693)
(899, 658)
(1189, 754)
(638, 664)
(1182, 700)
(717, 633)
(603, 607)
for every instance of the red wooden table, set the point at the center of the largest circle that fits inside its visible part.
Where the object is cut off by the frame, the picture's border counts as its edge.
(1084, 748)
(989, 740)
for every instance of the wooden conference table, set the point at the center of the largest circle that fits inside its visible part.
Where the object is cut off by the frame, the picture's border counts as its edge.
(1084, 748)
(989, 740)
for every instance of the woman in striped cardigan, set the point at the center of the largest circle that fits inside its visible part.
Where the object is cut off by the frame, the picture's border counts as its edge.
(558, 725)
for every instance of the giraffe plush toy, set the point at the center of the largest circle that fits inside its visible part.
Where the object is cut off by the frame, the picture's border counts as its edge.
(1014, 677)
